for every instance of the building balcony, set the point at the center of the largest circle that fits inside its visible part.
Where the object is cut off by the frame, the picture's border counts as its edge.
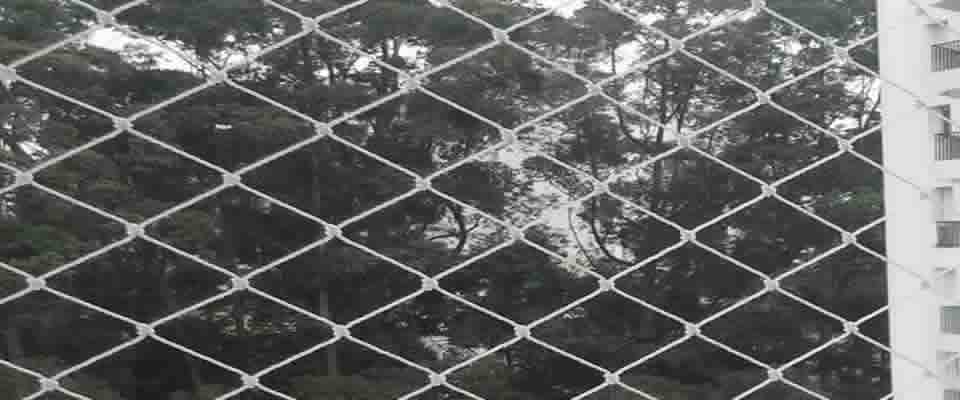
(949, 368)
(947, 252)
(948, 234)
(950, 5)
(946, 154)
(950, 320)
(946, 258)
(945, 285)
(949, 338)
(950, 329)
(945, 56)
(945, 64)
(946, 146)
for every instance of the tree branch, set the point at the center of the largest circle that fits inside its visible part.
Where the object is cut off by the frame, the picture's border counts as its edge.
(602, 246)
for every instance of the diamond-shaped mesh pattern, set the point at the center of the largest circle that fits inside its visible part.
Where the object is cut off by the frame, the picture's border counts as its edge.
(451, 280)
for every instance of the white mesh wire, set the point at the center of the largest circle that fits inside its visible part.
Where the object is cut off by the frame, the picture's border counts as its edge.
(412, 83)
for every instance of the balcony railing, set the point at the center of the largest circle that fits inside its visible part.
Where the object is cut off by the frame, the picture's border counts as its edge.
(946, 146)
(945, 56)
(948, 234)
(952, 369)
(949, 365)
(950, 320)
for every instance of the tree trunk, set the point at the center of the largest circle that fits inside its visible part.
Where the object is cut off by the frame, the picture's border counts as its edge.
(15, 353)
(591, 155)
(170, 300)
(322, 298)
(621, 120)
(332, 354)
(307, 63)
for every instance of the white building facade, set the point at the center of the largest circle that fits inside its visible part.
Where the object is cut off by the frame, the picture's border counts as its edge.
(920, 61)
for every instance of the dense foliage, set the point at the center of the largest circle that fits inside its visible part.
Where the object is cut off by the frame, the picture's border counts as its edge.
(239, 231)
